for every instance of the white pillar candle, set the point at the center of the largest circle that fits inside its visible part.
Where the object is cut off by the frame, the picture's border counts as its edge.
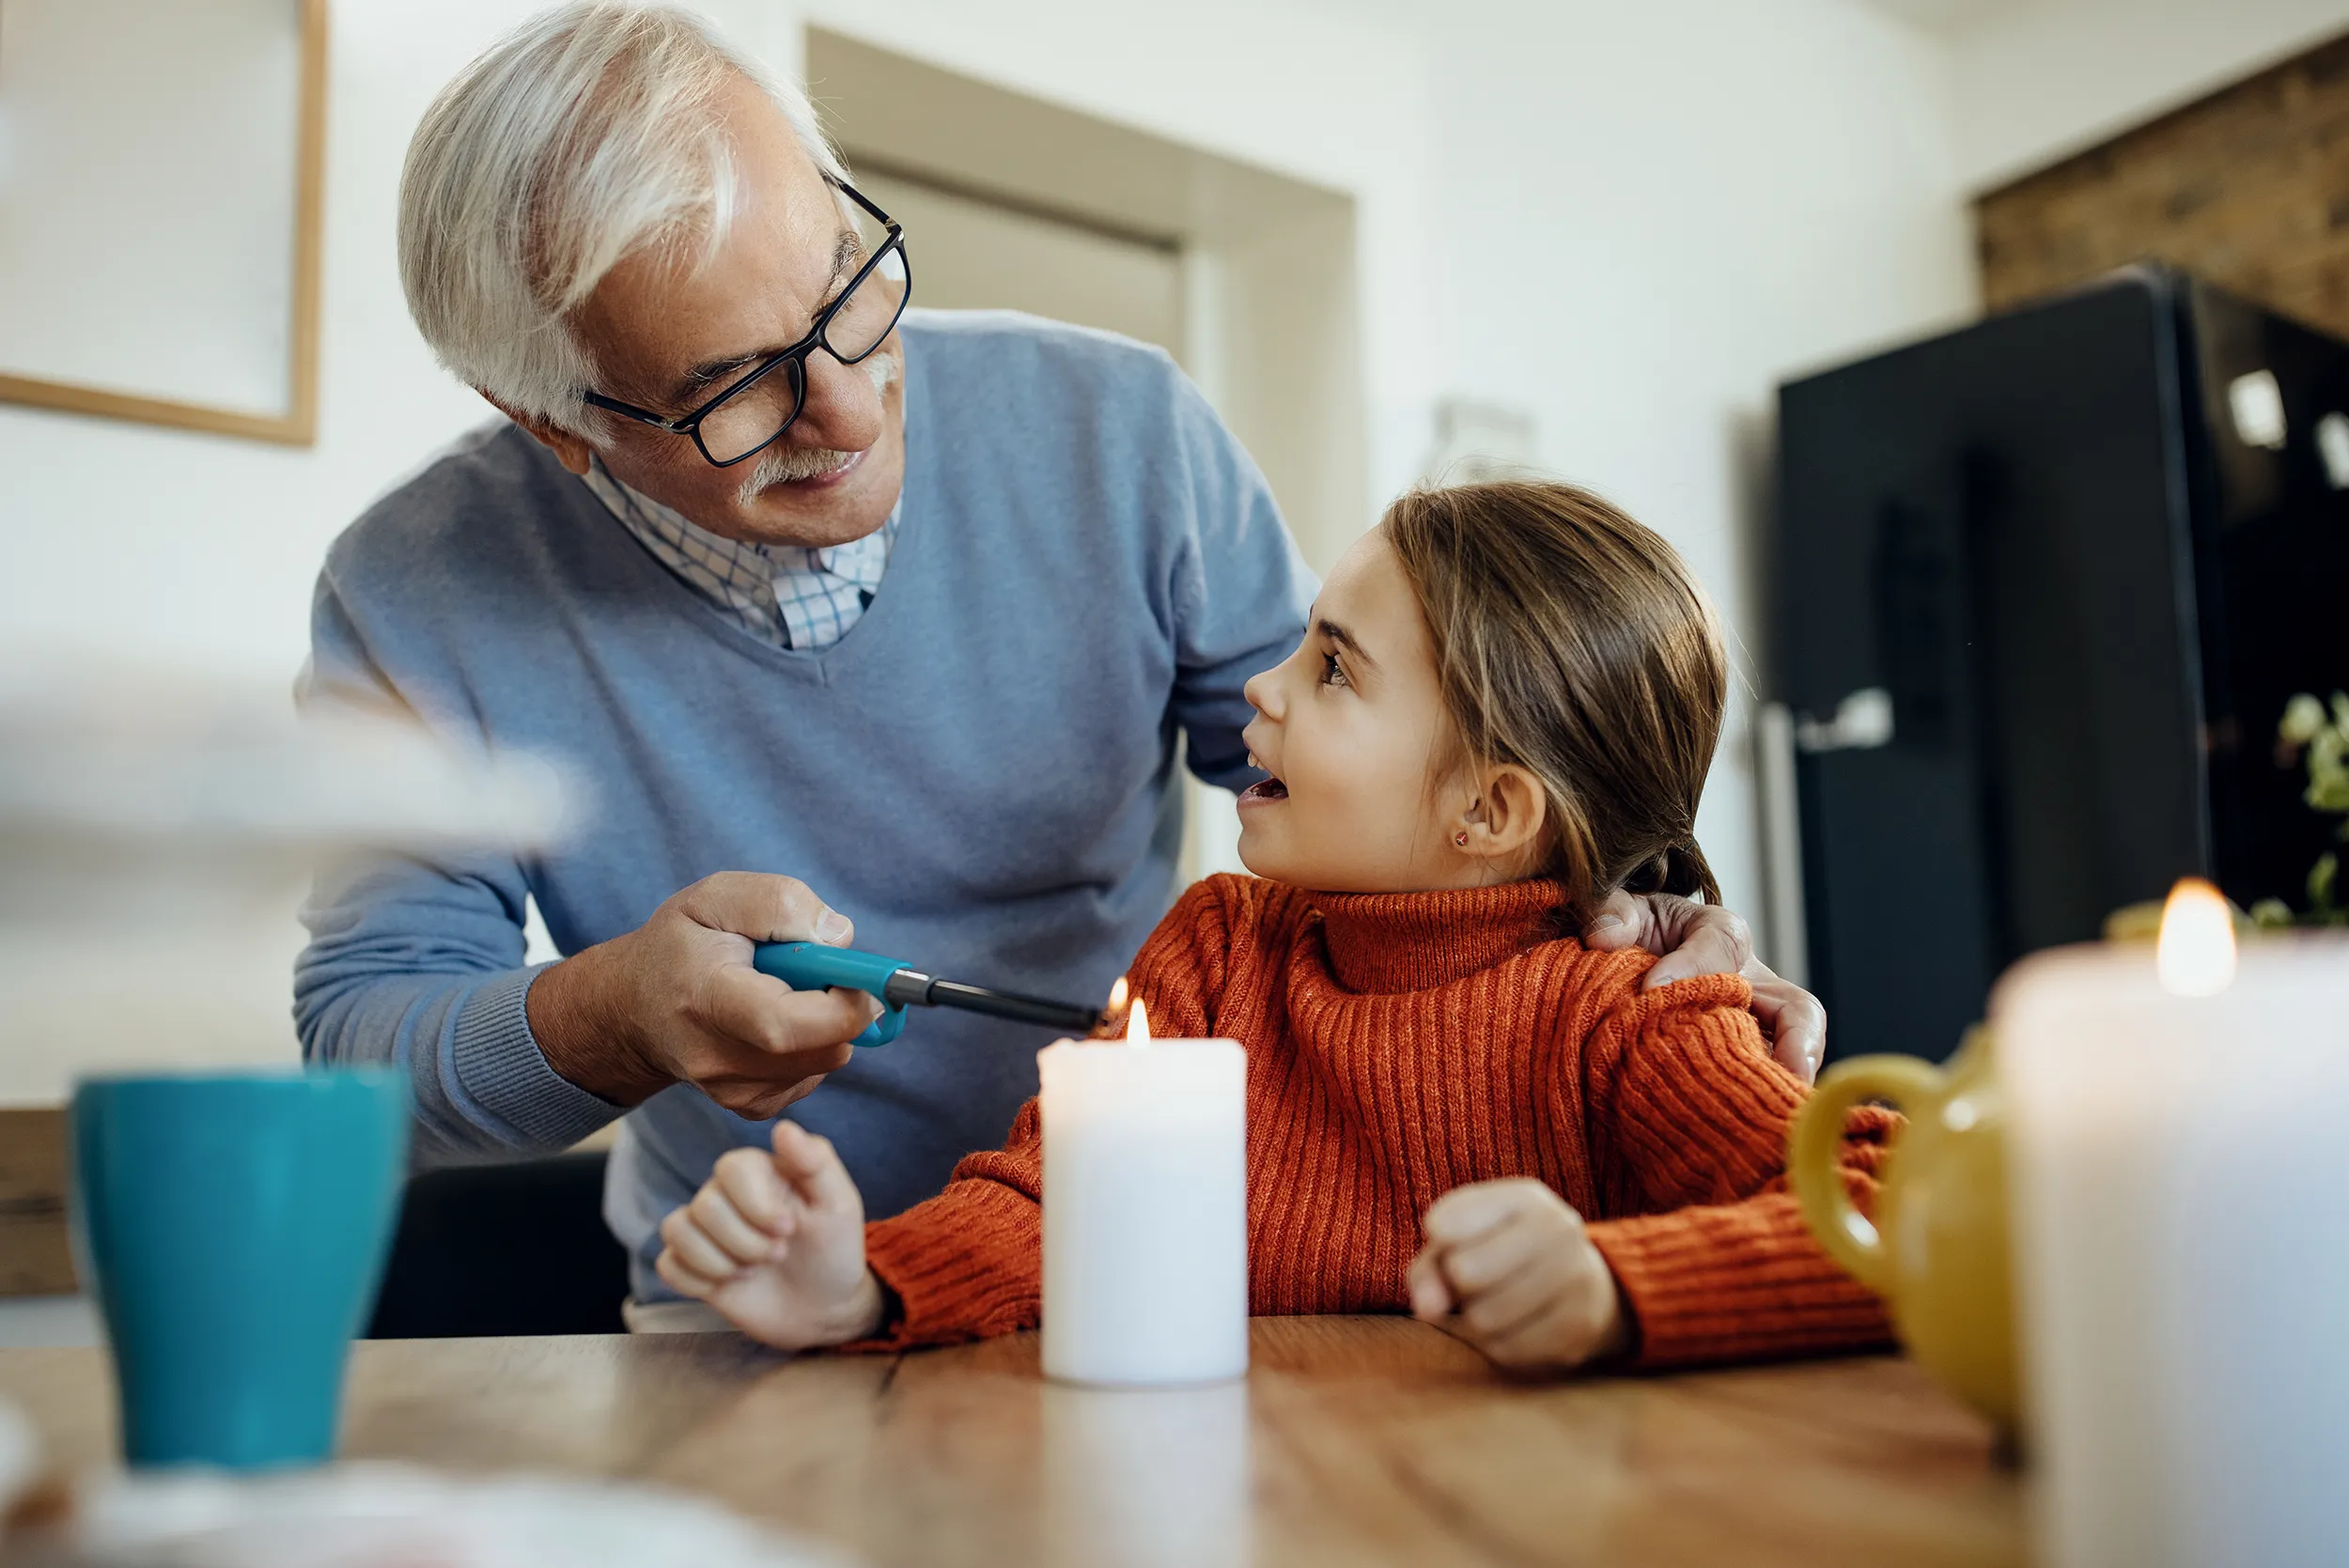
(1145, 1211)
(2180, 1161)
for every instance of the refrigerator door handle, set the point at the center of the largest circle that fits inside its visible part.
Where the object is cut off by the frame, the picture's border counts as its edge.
(1785, 932)
(1862, 722)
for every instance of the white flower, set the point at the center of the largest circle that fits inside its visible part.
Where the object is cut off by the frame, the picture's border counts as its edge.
(2303, 717)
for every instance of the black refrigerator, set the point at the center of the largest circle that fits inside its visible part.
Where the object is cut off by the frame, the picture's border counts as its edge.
(2042, 587)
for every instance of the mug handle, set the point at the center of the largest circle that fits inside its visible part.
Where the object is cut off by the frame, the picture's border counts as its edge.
(1815, 1146)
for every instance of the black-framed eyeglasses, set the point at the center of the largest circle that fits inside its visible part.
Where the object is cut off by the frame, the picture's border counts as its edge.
(752, 413)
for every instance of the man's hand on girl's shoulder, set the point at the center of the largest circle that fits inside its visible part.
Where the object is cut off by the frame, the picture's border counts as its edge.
(1689, 939)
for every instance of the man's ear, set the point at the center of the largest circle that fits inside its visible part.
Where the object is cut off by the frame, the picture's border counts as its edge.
(570, 450)
(1505, 823)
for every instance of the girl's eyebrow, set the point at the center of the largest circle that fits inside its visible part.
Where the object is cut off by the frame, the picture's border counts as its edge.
(1346, 640)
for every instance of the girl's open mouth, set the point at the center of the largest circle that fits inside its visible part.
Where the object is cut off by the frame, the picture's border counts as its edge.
(1265, 789)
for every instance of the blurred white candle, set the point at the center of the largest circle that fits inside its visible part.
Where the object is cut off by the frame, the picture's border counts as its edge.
(2180, 1158)
(1145, 1210)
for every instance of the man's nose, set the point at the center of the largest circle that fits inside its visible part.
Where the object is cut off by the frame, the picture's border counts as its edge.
(843, 408)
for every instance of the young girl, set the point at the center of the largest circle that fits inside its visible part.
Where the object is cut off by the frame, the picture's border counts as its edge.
(1503, 711)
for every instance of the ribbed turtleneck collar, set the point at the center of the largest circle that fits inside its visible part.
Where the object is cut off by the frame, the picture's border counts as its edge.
(1386, 942)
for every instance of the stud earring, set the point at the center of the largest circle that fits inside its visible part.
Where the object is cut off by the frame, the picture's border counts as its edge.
(1460, 838)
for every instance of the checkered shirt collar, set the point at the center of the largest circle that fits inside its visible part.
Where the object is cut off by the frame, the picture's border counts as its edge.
(792, 596)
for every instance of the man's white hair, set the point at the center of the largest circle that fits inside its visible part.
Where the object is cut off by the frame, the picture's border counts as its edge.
(589, 132)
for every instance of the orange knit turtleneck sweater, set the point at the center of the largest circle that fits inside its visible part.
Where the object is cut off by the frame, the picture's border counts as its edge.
(1401, 1045)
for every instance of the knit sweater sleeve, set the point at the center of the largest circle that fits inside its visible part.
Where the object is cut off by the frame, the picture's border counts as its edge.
(968, 1263)
(1688, 1119)
(417, 960)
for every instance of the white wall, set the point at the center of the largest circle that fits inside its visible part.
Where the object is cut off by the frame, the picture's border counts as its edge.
(1631, 220)
(199, 551)
(1330, 96)
(2039, 80)
(1652, 213)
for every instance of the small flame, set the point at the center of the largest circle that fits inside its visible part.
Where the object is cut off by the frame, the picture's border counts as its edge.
(1138, 1024)
(2196, 955)
(1118, 996)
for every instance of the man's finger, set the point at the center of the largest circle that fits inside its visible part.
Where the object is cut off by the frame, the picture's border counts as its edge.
(766, 1104)
(1794, 1020)
(1620, 924)
(808, 1032)
(1705, 939)
(765, 909)
(1690, 938)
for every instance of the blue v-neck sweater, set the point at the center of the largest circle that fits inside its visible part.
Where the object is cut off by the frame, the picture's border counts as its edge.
(980, 773)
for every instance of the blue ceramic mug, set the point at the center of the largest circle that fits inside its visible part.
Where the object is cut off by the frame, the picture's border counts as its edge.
(234, 1227)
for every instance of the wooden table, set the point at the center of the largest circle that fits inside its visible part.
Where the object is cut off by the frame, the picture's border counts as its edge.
(1355, 1441)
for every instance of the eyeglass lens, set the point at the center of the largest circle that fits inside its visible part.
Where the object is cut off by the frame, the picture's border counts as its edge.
(762, 411)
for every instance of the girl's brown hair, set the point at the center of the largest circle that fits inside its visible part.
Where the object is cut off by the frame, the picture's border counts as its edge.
(1572, 642)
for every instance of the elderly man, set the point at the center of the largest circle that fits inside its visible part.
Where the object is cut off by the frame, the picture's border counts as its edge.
(857, 622)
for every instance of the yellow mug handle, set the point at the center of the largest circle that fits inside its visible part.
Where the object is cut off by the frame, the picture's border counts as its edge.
(1814, 1150)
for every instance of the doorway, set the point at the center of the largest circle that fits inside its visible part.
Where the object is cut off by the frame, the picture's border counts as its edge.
(977, 254)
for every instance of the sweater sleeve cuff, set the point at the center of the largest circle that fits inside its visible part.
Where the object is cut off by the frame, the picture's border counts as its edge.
(961, 1266)
(499, 1067)
(1737, 1282)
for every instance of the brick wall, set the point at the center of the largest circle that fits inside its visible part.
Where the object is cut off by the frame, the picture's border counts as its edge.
(2247, 187)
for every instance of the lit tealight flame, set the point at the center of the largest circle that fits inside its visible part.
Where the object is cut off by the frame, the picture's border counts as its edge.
(2196, 955)
(1118, 996)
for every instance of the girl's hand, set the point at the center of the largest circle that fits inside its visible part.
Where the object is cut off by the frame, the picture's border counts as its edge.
(1509, 1268)
(776, 1243)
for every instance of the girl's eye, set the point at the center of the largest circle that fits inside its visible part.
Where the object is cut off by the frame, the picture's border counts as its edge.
(1331, 673)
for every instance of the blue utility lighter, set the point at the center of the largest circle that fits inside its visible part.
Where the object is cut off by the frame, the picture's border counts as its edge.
(898, 985)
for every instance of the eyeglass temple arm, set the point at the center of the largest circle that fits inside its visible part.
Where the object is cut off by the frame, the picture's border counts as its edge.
(643, 416)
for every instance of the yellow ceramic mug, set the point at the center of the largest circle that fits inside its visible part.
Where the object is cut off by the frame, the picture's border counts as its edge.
(1937, 1251)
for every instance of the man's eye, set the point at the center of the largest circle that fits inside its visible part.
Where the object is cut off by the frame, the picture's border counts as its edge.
(1333, 673)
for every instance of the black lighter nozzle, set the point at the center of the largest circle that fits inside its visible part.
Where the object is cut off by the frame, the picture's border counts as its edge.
(912, 988)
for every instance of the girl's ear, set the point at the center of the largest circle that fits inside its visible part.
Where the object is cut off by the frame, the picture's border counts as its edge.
(1504, 824)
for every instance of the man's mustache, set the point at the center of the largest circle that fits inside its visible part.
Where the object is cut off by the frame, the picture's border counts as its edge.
(784, 463)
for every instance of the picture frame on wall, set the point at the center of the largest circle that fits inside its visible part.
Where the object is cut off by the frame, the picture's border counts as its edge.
(162, 172)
